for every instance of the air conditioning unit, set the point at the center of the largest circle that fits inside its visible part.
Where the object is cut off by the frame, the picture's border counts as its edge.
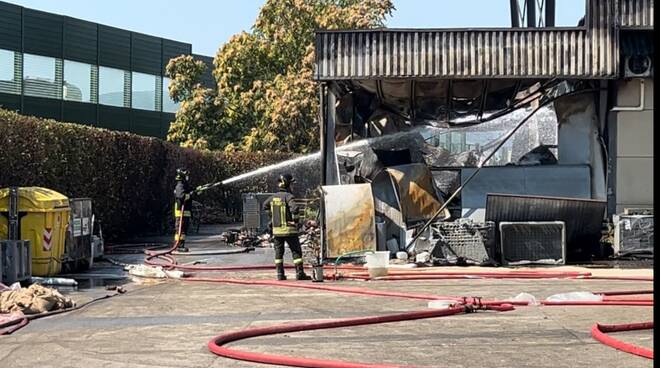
(637, 66)
(633, 234)
(533, 242)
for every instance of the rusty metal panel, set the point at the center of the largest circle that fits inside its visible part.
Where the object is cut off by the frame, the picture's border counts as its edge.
(349, 219)
(636, 13)
(589, 51)
(415, 191)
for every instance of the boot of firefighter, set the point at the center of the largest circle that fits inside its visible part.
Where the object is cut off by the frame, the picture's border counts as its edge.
(280, 271)
(182, 245)
(300, 273)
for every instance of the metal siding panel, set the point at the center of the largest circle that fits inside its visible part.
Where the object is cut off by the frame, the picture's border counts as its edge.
(451, 51)
(78, 112)
(10, 102)
(573, 59)
(146, 123)
(437, 59)
(416, 54)
(529, 46)
(80, 40)
(114, 118)
(10, 27)
(172, 49)
(580, 59)
(566, 55)
(42, 33)
(467, 44)
(114, 47)
(42, 107)
(537, 56)
(484, 54)
(165, 121)
(146, 54)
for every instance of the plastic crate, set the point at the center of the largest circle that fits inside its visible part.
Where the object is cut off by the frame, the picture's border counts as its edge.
(533, 242)
(15, 260)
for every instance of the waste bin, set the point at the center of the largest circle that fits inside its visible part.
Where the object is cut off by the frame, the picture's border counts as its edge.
(43, 219)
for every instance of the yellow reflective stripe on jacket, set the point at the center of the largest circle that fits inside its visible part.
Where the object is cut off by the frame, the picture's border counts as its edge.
(278, 261)
(179, 237)
(281, 227)
(298, 261)
(177, 213)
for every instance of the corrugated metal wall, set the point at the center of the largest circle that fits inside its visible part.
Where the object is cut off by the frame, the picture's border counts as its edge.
(581, 52)
(636, 13)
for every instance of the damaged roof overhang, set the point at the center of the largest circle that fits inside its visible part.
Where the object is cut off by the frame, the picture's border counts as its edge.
(451, 101)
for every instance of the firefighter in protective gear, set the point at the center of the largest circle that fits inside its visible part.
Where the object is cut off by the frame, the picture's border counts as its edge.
(182, 208)
(284, 227)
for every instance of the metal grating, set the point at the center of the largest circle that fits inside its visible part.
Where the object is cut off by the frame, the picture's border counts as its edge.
(633, 234)
(533, 242)
(464, 239)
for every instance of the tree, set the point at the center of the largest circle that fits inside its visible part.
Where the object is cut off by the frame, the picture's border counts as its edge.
(265, 77)
(199, 117)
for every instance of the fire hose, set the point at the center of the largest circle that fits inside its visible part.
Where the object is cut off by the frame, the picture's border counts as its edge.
(598, 332)
(216, 345)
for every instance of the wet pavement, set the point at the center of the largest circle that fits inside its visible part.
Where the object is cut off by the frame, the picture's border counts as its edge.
(167, 323)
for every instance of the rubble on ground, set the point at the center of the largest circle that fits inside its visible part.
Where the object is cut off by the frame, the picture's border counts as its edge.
(309, 236)
(33, 300)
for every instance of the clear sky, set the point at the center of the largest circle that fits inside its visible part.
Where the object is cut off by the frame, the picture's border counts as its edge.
(207, 24)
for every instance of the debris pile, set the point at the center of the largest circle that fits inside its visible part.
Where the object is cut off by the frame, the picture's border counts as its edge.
(246, 239)
(310, 235)
(33, 300)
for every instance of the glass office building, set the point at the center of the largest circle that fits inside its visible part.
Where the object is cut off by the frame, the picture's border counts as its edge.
(72, 70)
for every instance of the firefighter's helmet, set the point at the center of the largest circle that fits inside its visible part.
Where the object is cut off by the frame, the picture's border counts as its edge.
(285, 181)
(182, 174)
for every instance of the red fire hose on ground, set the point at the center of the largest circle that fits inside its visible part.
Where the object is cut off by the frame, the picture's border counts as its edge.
(216, 345)
(598, 332)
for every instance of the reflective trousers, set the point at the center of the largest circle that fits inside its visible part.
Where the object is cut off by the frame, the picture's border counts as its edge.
(294, 245)
(184, 230)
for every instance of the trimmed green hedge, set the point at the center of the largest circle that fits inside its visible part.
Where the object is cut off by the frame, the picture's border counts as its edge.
(130, 178)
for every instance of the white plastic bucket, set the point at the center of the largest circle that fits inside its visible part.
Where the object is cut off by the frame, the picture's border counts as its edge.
(377, 263)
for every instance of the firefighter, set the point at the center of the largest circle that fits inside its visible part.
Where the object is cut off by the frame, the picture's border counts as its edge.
(182, 200)
(284, 227)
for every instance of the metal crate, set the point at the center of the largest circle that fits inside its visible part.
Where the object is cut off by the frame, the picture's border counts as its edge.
(78, 253)
(533, 242)
(470, 240)
(633, 234)
(255, 219)
(15, 260)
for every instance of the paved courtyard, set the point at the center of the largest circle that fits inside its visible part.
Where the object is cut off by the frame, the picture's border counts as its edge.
(168, 323)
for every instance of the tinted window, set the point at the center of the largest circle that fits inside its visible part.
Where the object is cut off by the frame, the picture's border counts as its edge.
(39, 76)
(77, 81)
(143, 91)
(111, 86)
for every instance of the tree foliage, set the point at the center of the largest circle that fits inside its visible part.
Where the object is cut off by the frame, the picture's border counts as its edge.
(198, 122)
(264, 78)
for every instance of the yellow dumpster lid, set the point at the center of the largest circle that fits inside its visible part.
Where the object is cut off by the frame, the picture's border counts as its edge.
(35, 199)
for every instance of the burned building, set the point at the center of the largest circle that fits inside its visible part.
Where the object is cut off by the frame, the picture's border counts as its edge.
(435, 88)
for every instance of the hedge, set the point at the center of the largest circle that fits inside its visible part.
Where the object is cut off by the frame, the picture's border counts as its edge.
(130, 178)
